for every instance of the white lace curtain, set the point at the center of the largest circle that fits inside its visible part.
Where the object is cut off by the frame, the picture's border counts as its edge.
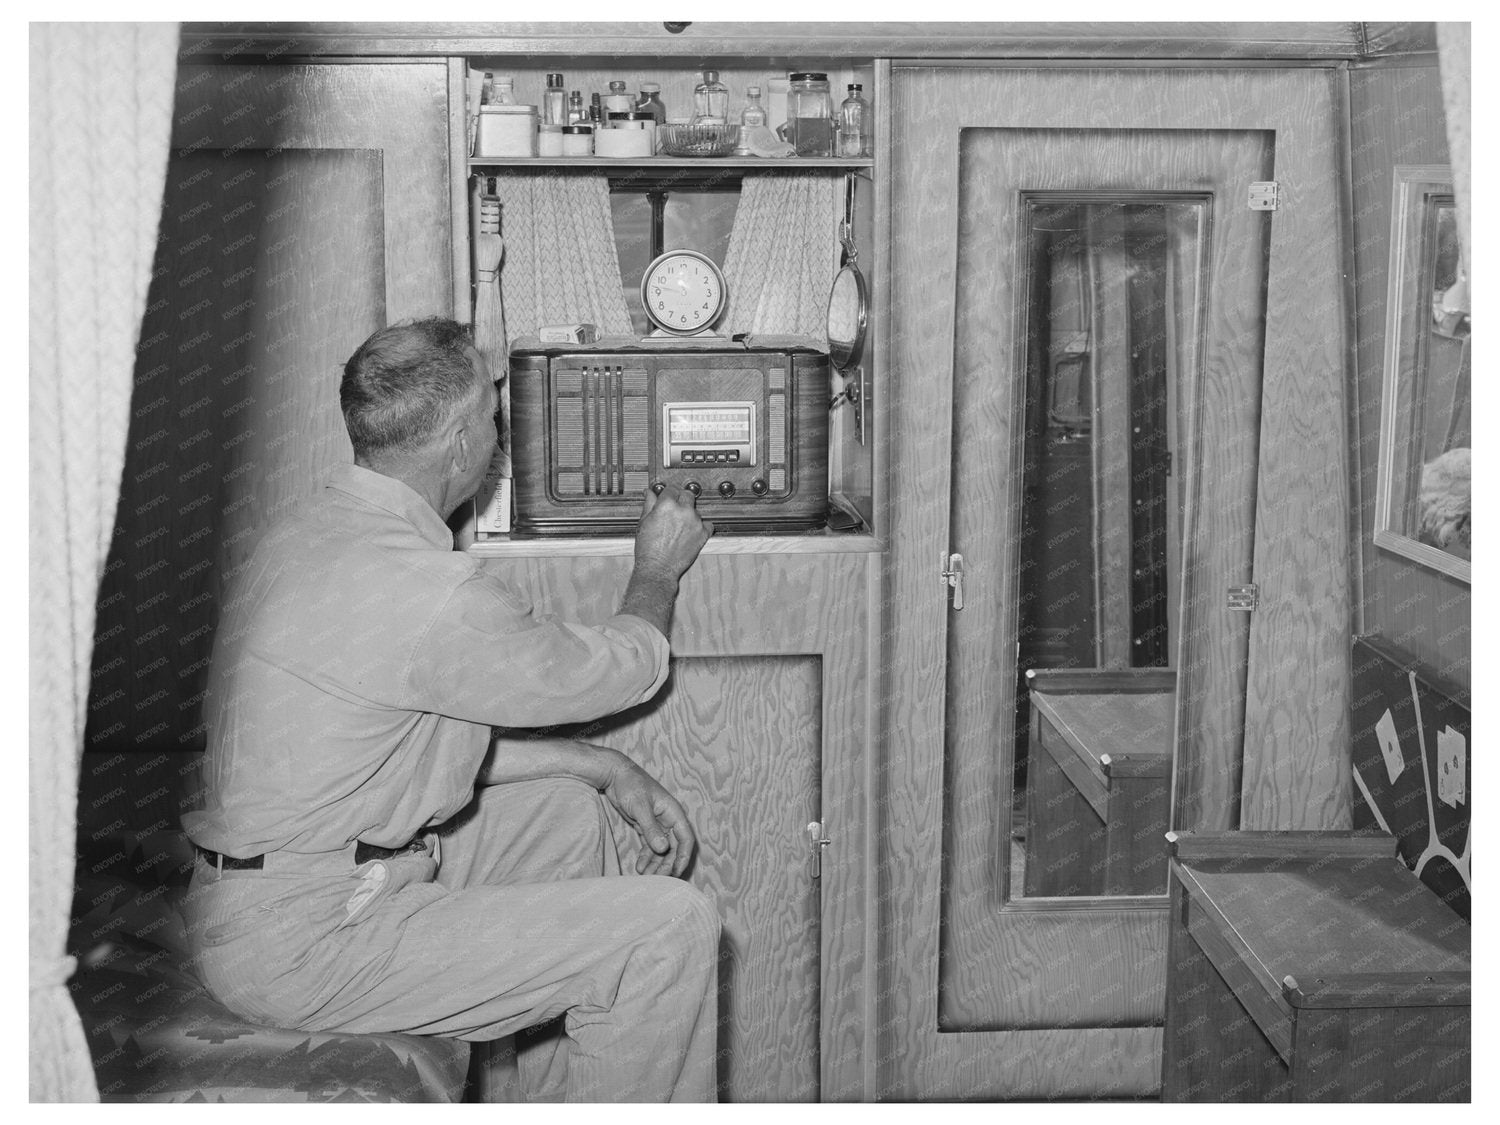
(98, 162)
(783, 253)
(1454, 42)
(560, 261)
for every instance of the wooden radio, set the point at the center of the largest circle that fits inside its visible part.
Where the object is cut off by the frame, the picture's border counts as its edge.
(743, 426)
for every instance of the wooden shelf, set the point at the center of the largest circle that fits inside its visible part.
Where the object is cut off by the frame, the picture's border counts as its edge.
(813, 543)
(564, 163)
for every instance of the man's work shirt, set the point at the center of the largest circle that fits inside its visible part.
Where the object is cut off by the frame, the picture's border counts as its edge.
(359, 664)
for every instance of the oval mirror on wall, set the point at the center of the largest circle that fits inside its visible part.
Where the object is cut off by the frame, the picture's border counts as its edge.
(848, 315)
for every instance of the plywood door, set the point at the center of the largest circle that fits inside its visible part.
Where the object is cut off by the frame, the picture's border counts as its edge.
(738, 741)
(762, 728)
(1019, 1021)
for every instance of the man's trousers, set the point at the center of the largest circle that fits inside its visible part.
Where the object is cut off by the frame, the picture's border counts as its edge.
(522, 917)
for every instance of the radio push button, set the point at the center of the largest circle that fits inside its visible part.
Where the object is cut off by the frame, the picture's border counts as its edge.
(726, 488)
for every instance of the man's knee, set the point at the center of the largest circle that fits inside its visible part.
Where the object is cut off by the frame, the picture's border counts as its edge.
(688, 915)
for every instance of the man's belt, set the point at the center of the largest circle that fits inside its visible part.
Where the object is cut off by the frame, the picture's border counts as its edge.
(362, 853)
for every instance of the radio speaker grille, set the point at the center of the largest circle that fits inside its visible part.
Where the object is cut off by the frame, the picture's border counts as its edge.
(602, 430)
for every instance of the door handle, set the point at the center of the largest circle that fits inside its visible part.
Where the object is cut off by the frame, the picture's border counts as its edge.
(817, 841)
(953, 574)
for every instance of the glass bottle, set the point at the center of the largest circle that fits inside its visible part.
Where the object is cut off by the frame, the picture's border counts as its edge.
(596, 112)
(576, 112)
(710, 100)
(554, 102)
(504, 90)
(617, 100)
(809, 114)
(754, 114)
(651, 102)
(854, 124)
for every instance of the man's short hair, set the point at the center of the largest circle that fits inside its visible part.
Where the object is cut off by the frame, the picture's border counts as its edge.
(403, 384)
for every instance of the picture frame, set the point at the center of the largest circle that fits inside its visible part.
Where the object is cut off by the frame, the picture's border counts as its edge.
(1422, 509)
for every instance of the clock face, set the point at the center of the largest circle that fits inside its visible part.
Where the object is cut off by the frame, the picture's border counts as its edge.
(683, 292)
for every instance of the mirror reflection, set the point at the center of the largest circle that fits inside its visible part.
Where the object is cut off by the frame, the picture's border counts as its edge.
(1440, 499)
(847, 317)
(1112, 332)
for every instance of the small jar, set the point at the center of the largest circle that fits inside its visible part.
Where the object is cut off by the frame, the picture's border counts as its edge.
(809, 114)
(549, 139)
(622, 144)
(578, 140)
(617, 100)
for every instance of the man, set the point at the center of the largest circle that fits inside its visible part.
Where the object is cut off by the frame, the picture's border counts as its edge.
(370, 858)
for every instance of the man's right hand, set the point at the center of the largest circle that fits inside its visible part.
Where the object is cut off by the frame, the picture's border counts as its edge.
(666, 543)
(671, 533)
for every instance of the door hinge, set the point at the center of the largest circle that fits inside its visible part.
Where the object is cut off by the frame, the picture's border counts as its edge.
(817, 841)
(1245, 598)
(1265, 195)
(953, 574)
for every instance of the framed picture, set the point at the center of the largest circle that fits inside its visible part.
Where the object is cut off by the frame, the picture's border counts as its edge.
(1423, 493)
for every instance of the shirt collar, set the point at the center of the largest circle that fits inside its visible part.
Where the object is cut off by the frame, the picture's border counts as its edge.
(393, 496)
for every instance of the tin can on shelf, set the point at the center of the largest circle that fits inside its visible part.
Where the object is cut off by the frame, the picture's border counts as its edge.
(506, 130)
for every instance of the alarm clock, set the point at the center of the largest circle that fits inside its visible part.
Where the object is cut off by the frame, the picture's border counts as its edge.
(684, 293)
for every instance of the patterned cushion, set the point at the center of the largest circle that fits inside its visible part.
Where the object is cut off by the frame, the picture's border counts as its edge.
(157, 1036)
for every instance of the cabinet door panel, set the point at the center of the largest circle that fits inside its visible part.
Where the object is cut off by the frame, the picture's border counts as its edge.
(738, 741)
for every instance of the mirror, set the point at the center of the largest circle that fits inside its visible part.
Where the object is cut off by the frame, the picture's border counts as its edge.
(848, 313)
(1114, 301)
(1423, 504)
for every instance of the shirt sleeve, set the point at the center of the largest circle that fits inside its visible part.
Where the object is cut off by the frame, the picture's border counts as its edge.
(487, 658)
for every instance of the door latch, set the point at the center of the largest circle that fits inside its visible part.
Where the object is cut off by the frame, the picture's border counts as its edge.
(817, 841)
(1244, 598)
(953, 574)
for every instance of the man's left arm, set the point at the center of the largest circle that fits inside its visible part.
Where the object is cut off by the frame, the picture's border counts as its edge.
(638, 797)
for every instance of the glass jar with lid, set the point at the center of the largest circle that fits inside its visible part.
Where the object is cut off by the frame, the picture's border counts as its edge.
(809, 114)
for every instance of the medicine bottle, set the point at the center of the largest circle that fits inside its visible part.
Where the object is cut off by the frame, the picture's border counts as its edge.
(854, 124)
(554, 102)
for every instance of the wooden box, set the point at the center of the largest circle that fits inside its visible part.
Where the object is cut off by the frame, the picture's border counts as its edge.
(1099, 781)
(1311, 966)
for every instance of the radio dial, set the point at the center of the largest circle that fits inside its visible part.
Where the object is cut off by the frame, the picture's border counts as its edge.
(658, 487)
(726, 488)
(759, 486)
(694, 487)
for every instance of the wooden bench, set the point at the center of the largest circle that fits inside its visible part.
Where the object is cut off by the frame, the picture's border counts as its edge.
(1099, 781)
(1311, 966)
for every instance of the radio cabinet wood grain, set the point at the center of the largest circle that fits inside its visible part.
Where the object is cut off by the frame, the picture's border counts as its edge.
(1099, 782)
(1311, 966)
(745, 426)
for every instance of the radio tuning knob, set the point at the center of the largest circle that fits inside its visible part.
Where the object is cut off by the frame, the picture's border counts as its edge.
(694, 487)
(658, 487)
(758, 486)
(726, 488)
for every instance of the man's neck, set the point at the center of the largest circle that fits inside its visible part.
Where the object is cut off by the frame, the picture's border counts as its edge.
(430, 486)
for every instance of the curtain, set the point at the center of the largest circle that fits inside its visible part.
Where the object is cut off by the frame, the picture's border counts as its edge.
(1453, 42)
(98, 160)
(560, 261)
(783, 253)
